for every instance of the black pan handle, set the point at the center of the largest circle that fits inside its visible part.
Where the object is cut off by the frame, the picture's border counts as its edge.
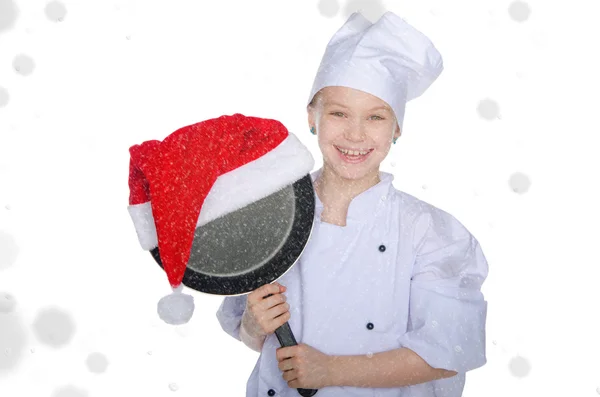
(286, 338)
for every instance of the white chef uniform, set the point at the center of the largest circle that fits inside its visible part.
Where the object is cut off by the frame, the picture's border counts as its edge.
(401, 273)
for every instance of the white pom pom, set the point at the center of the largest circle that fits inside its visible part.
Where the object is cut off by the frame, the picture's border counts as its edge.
(176, 308)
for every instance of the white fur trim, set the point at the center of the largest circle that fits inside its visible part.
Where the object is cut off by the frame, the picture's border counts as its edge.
(284, 165)
(143, 221)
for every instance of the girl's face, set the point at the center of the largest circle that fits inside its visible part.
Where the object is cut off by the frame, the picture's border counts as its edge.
(348, 119)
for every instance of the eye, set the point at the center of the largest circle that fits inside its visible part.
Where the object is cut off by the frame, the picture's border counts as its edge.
(337, 114)
(376, 117)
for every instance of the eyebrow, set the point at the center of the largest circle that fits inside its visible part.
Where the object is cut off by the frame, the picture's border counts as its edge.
(336, 104)
(380, 107)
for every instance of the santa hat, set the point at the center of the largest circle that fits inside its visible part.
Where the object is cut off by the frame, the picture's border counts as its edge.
(202, 172)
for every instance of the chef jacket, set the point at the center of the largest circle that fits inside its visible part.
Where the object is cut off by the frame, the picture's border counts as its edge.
(400, 273)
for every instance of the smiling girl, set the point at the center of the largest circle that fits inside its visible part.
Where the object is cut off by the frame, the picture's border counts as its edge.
(386, 298)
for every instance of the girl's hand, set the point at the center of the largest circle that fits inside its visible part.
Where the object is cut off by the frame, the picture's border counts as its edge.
(305, 367)
(263, 316)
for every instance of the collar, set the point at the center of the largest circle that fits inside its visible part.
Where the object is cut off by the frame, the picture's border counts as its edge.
(363, 206)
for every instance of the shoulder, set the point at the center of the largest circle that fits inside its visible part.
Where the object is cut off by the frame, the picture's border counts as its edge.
(425, 219)
(442, 247)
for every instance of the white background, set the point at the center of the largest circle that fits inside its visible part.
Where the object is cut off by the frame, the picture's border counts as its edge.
(75, 94)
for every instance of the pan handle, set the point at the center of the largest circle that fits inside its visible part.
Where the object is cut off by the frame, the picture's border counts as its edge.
(286, 338)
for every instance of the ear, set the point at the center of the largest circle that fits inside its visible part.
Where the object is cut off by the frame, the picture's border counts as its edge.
(397, 132)
(312, 116)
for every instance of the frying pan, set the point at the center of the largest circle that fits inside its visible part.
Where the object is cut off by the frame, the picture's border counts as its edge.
(253, 246)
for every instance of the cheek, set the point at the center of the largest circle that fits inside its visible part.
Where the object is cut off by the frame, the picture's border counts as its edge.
(383, 136)
(330, 128)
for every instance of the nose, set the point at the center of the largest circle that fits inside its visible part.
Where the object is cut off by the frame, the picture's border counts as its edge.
(355, 132)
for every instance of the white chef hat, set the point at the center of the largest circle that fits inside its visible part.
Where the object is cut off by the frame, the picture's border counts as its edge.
(389, 59)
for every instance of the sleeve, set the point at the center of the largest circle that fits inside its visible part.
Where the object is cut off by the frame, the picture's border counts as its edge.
(230, 314)
(447, 310)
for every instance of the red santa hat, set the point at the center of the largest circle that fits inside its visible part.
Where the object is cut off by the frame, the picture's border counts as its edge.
(202, 172)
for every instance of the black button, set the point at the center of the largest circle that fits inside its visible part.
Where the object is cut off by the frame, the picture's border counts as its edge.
(370, 326)
(382, 248)
(271, 392)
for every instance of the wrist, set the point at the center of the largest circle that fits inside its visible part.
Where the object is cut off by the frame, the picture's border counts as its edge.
(334, 373)
(254, 343)
(249, 330)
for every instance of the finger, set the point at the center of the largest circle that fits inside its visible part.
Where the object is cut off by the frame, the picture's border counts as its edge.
(269, 289)
(285, 365)
(280, 320)
(283, 353)
(262, 312)
(276, 317)
(271, 302)
(290, 375)
(282, 288)
(278, 310)
(258, 294)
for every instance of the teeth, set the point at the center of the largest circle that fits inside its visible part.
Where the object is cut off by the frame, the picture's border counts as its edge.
(353, 152)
